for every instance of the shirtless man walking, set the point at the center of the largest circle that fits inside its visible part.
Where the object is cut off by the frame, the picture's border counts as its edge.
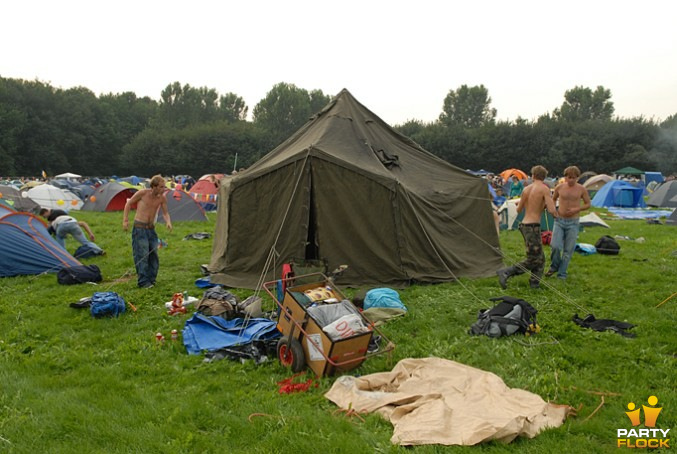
(144, 238)
(565, 231)
(535, 198)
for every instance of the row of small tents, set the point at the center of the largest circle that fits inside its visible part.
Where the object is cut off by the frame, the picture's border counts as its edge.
(57, 195)
(27, 248)
(111, 196)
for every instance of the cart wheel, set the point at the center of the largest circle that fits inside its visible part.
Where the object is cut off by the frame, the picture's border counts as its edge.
(290, 354)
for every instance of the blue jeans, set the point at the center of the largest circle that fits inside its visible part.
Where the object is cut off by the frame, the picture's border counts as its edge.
(72, 228)
(144, 249)
(563, 244)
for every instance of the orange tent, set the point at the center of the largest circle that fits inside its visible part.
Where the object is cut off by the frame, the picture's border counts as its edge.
(509, 173)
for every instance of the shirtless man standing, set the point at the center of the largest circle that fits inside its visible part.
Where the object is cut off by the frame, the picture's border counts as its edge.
(535, 198)
(144, 238)
(565, 232)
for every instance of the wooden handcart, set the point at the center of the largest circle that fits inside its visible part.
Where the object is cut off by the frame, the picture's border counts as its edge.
(304, 343)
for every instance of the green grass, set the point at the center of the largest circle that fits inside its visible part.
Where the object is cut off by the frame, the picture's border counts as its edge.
(71, 383)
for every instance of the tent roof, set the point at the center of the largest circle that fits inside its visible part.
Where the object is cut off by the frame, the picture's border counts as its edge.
(509, 173)
(617, 193)
(591, 220)
(664, 195)
(629, 171)
(26, 247)
(111, 196)
(181, 207)
(68, 175)
(597, 181)
(347, 134)
(14, 198)
(48, 196)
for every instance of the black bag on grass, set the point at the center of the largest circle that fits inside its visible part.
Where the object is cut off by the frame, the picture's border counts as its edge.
(607, 245)
(85, 252)
(511, 315)
(79, 274)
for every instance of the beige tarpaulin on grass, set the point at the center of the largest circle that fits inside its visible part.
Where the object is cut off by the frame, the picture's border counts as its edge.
(438, 401)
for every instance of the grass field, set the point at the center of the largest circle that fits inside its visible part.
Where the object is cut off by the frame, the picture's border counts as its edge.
(70, 383)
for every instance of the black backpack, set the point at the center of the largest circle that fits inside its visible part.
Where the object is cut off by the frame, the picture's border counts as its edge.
(607, 245)
(511, 315)
(79, 274)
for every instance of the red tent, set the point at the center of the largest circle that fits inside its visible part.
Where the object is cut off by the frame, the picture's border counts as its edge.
(205, 191)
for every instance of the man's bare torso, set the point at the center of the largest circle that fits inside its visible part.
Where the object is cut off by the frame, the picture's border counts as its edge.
(148, 205)
(533, 201)
(570, 199)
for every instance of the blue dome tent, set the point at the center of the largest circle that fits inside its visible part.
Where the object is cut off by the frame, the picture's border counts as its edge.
(619, 193)
(27, 248)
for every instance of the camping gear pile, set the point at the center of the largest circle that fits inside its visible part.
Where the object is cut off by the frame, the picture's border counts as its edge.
(321, 329)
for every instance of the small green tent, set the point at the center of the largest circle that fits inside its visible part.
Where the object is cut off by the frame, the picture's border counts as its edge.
(629, 171)
(348, 189)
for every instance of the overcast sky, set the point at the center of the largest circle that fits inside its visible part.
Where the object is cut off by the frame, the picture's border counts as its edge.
(399, 59)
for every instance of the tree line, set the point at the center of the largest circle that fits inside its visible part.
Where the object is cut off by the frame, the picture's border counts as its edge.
(196, 130)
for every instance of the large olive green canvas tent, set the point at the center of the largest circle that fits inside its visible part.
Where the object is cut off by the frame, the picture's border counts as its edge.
(348, 189)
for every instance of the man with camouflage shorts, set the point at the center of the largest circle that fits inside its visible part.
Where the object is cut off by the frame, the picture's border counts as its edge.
(535, 198)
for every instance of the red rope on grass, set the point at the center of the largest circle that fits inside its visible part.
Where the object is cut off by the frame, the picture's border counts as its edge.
(287, 386)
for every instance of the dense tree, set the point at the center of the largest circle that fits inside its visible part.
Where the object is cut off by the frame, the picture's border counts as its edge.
(670, 122)
(581, 104)
(468, 107)
(286, 108)
(196, 131)
(410, 128)
(233, 108)
(664, 148)
(196, 150)
(181, 106)
(12, 122)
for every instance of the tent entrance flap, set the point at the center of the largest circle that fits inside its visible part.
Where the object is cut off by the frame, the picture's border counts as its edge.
(312, 246)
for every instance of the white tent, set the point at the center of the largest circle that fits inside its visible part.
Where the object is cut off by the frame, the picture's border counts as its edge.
(48, 196)
(68, 176)
(592, 220)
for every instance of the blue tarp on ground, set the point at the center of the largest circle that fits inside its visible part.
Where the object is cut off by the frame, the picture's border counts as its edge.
(213, 333)
(619, 193)
(639, 213)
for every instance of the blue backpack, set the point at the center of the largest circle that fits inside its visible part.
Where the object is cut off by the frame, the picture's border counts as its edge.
(106, 303)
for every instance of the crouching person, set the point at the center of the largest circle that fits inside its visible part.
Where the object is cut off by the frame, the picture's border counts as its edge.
(61, 224)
